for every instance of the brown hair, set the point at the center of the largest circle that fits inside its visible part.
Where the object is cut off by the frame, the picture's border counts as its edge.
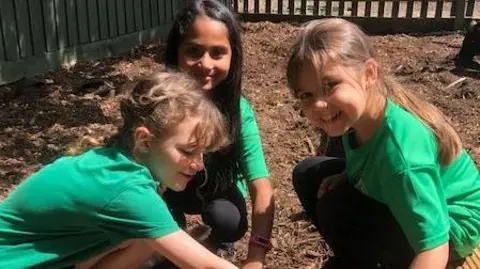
(335, 40)
(160, 102)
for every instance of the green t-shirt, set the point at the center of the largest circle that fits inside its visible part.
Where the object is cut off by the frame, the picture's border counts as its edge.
(399, 167)
(252, 162)
(78, 207)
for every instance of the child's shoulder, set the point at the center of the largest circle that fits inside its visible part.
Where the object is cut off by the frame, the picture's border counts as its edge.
(408, 139)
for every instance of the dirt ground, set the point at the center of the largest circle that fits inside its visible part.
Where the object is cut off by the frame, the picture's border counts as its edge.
(39, 118)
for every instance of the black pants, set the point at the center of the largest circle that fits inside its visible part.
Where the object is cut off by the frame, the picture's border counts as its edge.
(362, 232)
(226, 213)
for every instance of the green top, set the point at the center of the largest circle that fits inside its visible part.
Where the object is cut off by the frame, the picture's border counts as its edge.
(399, 167)
(77, 208)
(252, 161)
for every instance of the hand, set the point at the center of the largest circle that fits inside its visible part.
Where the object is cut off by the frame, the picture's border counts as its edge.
(331, 182)
(252, 265)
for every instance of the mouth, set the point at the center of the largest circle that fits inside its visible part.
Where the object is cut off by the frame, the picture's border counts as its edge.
(331, 118)
(187, 176)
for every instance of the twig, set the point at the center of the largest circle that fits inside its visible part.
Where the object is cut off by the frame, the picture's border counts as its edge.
(460, 80)
(311, 239)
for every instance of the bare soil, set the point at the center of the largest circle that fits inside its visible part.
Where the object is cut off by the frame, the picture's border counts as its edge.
(41, 117)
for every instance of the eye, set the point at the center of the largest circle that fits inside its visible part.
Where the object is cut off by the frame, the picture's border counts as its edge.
(187, 151)
(329, 86)
(304, 96)
(194, 52)
(218, 52)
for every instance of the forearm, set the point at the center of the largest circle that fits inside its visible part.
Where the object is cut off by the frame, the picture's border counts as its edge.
(436, 258)
(185, 252)
(263, 208)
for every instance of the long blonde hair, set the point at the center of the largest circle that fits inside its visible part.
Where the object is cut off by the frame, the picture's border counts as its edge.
(339, 41)
(160, 102)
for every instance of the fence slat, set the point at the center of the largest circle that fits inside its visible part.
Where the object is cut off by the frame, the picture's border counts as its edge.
(112, 18)
(470, 6)
(256, 6)
(424, 9)
(459, 14)
(328, 8)
(268, 6)
(72, 23)
(23, 27)
(175, 7)
(38, 29)
(381, 8)
(245, 6)
(121, 21)
(168, 9)
(279, 6)
(316, 7)
(439, 9)
(368, 8)
(354, 8)
(103, 18)
(395, 8)
(2, 48)
(130, 15)
(291, 6)
(9, 28)
(61, 21)
(147, 21)
(137, 8)
(93, 20)
(235, 5)
(50, 27)
(341, 7)
(82, 16)
(453, 9)
(162, 11)
(303, 7)
(154, 13)
(410, 8)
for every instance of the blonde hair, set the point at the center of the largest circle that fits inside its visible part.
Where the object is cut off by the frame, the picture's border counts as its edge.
(339, 41)
(160, 102)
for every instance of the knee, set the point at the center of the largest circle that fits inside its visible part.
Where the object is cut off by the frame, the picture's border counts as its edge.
(228, 223)
(299, 174)
(302, 172)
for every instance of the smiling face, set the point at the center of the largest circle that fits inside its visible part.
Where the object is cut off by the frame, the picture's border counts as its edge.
(176, 158)
(335, 102)
(206, 52)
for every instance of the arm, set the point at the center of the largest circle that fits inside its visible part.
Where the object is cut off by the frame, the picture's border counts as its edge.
(436, 258)
(254, 168)
(421, 210)
(263, 205)
(187, 253)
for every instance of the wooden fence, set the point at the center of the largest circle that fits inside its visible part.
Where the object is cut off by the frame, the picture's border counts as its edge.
(377, 16)
(40, 35)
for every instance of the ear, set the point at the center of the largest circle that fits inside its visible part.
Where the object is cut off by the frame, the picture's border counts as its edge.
(142, 142)
(371, 73)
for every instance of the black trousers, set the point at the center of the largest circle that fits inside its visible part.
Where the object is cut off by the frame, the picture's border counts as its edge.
(225, 213)
(362, 232)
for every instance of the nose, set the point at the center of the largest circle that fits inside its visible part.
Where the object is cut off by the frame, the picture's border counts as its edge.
(197, 163)
(320, 105)
(206, 61)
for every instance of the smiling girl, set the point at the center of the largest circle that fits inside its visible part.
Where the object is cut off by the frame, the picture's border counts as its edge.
(407, 195)
(205, 41)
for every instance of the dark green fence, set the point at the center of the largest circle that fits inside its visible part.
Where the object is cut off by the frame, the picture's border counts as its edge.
(41, 35)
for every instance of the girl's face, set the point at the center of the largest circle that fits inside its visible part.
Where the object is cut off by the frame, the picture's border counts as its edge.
(206, 52)
(338, 103)
(176, 158)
